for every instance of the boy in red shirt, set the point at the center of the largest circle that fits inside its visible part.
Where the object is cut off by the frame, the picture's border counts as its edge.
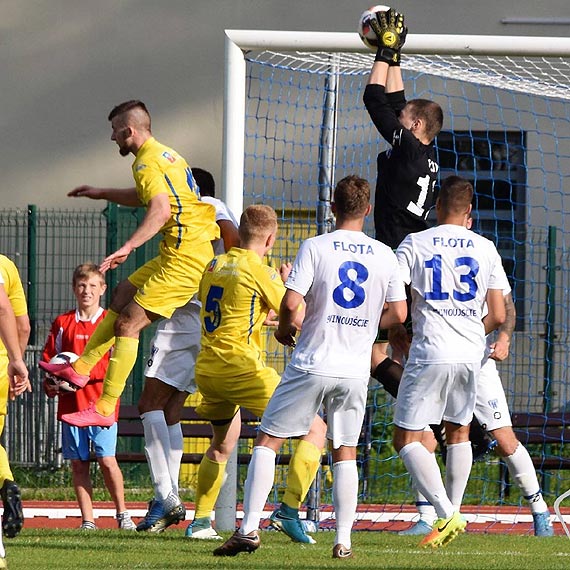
(70, 333)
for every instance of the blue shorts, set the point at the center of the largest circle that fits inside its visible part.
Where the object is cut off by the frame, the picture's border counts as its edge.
(76, 441)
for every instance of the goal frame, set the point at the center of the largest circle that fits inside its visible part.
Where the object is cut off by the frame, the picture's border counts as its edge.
(239, 42)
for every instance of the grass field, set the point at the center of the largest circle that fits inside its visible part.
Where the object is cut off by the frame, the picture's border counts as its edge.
(81, 550)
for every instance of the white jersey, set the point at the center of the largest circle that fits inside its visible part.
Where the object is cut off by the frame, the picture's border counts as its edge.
(345, 278)
(450, 269)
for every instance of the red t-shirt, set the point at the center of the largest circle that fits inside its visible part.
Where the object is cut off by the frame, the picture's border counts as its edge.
(69, 334)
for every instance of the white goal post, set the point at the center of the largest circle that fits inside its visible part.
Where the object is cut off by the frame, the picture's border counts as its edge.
(239, 42)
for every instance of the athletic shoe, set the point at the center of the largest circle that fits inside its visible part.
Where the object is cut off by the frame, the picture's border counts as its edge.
(482, 450)
(88, 525)
(13, 516)
(173, 516)
(286, 519)
(125, 522)
(89, 417)
(155, 511)
(542, 524)
(444, 531)
(202, 529)
(65, 372)
(340, 551)
(239, 543)
(420, 528)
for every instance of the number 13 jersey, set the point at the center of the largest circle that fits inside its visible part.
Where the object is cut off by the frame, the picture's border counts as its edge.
(450, 269)
(345, 278)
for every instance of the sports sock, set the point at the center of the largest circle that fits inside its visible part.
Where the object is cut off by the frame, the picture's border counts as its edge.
(157, 447)
(345, 498)
(98, 345)
(302, 470)
(210, 480)
(5, 471)
(457, 471)
(425, 509)
(523, 472)
(175, 454)
(389, 374)
(424, 470)
(120, 365)
(260, 474)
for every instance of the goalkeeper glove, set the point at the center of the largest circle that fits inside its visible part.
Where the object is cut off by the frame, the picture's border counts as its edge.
(391, 32)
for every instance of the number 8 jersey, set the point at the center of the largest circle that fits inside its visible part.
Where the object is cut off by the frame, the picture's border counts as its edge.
(345, 278)
(450, 269)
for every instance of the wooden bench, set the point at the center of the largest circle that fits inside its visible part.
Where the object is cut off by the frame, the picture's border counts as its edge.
(193, 425)
(545, 437)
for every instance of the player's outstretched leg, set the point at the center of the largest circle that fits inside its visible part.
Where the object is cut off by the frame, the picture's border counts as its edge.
(239, 543)
(444, 531)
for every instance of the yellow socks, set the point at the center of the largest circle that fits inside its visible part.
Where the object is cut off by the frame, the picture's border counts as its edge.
(210, 479)
(120, 365)
(98, 345)
(5, 471)
(302, 470)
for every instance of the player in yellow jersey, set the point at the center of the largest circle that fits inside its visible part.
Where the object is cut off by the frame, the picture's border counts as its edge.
(17, 371)
(237, 291)
(165, 187)
(13, 516)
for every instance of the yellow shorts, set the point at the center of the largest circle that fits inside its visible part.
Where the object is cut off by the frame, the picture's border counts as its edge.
(221, 397)
(171, 279)
(4, 386)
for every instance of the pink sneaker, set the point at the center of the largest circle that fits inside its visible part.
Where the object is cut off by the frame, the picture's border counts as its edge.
(65, 372)
(89, 417)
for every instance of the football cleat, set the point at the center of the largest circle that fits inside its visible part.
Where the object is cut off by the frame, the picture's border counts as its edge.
(65, 371)
(542, 525)
(444, 531)
(13, 515)
(239, 543)
(154, 512)
(340, 551)
(202, 529)
(286, 519)
(419, 528)
(163, 519)
(89, 417)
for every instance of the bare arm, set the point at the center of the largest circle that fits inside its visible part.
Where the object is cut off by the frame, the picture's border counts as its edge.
(394, 313)
(501, 345)
(24, 330)
(286, 329)
(229, 233)
(122, 196)
(497, 313)
(157, 214)
(17, 371)
(378, 73)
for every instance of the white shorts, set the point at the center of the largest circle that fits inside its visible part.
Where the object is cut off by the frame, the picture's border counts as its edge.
(491, 409)
(429, 393)
(299, 397)
(174, 349)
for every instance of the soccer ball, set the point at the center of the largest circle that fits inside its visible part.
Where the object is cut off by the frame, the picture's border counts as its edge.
(365, 32)
(62, 385)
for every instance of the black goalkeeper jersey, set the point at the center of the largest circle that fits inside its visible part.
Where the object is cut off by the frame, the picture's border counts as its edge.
(407, 173)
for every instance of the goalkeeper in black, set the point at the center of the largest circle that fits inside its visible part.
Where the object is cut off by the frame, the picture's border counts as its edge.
(405, 188)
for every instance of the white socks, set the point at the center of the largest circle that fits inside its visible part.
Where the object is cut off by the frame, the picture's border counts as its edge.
(523, 472)
(175, 454)
(345, 498)
(424, 470)
(457, 471)
(157, 449)
(260, 475)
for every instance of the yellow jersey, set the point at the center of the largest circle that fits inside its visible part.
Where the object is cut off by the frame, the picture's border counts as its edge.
(236, 291)
(158, 169)
(14, 290)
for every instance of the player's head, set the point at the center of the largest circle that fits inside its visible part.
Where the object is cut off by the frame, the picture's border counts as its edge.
(423, 117)
(131, 125)
(454, 200)
(205, 181)
(258, 226)
(351, 198)
(88, 285)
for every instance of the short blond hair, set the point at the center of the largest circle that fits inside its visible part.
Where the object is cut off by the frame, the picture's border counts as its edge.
(86, 271)
(256, 223)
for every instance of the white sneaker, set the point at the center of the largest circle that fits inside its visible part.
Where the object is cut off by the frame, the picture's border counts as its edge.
(125, 522)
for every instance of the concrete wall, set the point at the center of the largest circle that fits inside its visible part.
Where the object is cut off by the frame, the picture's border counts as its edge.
(66, 63)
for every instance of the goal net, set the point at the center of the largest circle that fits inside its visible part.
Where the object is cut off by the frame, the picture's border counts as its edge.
(295, 123)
